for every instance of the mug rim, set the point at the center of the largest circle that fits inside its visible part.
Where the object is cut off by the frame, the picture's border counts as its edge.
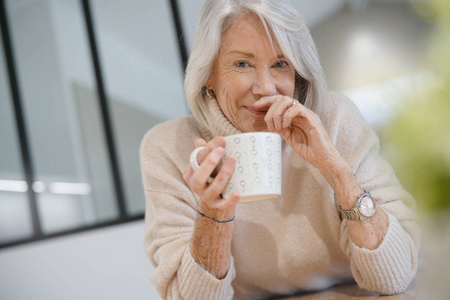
(252, 133)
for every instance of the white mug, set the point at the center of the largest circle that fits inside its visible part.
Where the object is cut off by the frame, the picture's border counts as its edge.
(257, 174)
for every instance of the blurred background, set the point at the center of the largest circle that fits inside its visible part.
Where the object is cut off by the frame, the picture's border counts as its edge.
(81, 81)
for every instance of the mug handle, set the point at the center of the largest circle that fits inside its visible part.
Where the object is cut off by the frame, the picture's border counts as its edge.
(194, 162)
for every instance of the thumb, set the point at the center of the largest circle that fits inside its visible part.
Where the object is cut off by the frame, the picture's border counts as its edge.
(286, 134)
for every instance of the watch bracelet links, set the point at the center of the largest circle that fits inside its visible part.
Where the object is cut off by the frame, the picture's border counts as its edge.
(352, 215)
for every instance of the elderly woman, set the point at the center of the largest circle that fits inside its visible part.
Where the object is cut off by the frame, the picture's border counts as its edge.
(254, 67)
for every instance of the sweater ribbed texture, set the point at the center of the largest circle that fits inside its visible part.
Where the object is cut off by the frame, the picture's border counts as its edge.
(292, 243)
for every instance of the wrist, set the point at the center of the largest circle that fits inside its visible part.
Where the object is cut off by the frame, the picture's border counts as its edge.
(336, 171)
(215, 213)
(341, 179)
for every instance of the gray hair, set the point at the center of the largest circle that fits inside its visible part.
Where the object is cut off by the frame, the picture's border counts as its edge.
(286, 25)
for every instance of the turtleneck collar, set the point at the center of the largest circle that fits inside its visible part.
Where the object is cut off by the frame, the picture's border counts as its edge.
(218, 124)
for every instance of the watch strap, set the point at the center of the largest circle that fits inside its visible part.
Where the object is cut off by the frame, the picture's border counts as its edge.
(354, 214)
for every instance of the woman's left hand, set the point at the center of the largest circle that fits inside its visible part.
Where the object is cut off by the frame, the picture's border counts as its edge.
(301, 128)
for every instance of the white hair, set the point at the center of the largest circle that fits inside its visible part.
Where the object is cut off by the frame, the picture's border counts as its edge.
(286, 25)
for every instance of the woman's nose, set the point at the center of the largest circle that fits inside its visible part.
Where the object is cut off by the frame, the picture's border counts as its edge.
(264, 84)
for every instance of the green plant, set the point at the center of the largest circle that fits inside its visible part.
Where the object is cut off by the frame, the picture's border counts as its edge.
(418, 139)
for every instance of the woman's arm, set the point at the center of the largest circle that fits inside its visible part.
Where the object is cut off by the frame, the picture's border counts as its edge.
(303, 131)
(211, 243)
(211, 240)
(368, 233)
(382, 250)
(171, 217)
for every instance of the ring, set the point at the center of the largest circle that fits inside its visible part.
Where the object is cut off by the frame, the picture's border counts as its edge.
(295, 102)
(193, 159)
(194, 162)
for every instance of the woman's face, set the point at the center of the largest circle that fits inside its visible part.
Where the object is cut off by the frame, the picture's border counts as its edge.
(247, 69)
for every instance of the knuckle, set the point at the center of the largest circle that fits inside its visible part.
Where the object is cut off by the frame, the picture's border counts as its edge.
(207, 201)
(228, 171)
(207, 196)
(313, 117)
(221, 180)
(227, 204)
(217, 142)
(211, 159)
(214, 190)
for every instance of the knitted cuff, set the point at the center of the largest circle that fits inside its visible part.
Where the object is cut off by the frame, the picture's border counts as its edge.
(390, 268)
(197, 283)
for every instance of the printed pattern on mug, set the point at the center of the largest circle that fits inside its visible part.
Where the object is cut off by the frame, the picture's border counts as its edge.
(257, 174)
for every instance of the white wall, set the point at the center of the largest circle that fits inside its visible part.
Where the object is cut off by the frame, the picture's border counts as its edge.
(107, 263)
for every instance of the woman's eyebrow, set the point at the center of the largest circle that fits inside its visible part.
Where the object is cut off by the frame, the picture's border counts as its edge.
(251, 55)
(248, 54)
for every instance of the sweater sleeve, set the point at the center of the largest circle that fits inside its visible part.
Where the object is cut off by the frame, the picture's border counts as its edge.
(170, 217)
(391, 267)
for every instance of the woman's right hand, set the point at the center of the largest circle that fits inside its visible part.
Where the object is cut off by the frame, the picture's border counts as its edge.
(211, 202)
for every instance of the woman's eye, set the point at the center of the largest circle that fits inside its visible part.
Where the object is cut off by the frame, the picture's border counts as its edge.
(281, 64)
(242, 64)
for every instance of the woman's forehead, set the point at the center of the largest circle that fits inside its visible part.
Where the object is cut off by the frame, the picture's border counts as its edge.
(246, 36)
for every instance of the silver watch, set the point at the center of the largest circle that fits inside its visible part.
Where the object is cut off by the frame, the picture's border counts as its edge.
(364, 209)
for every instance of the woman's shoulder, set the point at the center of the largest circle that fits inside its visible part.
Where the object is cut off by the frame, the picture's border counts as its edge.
(337, 104)
(169, 142)
(338, 111)
(172, 131)
(346, 126)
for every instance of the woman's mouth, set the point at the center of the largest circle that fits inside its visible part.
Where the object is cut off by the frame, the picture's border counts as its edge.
(257, 111)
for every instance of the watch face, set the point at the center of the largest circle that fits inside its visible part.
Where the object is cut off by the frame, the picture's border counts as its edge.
(367, 207)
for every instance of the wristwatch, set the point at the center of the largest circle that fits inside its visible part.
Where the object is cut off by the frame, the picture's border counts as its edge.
(364, 209)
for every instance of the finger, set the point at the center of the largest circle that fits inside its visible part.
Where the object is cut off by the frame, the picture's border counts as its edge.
(229, 202)
(221, 180)
(200, 142)
(200, 177)
(187, 174)
(278, 109)
(209, 147)
(233, 199)
(286, 134)
(266, 101)
(307, 119)
(294, 111)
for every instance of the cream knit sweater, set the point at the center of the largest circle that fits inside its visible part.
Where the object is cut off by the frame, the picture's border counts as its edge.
(292, 243)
